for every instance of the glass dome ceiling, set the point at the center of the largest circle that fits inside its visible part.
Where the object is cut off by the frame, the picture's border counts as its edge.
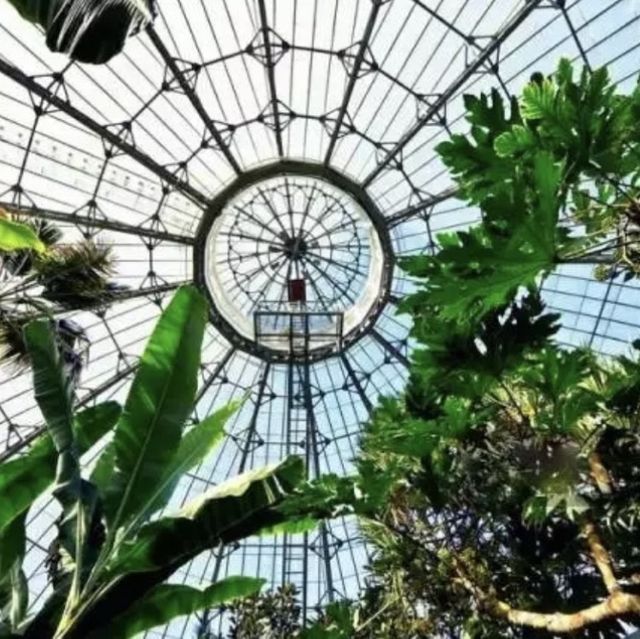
(337, 106)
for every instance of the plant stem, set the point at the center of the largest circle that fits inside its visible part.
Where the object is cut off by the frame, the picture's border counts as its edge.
(513, 400)
(599, 473)
(596, 251)
(617, 604)
(376, 614)
(601, 558)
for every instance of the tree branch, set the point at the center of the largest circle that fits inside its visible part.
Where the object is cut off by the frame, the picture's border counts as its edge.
(601, 558)
(514, 401)
(600, 554)
(599, 473)
(615, 605)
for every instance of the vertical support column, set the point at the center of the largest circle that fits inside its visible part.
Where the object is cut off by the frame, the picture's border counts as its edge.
(314, 453)
(295, 559)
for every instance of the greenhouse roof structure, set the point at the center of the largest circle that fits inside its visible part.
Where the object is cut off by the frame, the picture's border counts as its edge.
(246, 145)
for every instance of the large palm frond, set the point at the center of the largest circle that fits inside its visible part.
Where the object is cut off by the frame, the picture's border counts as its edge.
(77, 276)
(13, 350)
(71, 338)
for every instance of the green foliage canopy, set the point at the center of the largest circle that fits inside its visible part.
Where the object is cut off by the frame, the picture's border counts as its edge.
(114, 553)
(506, 500)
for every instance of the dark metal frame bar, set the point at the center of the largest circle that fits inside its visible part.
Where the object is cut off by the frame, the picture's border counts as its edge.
(212, 378)
(451, 90)
(356, 382)
(312, 442)
(251, 429)
(403, 215)
(66, 107)
(271, 76)
(97, 222)
(353, 77)
(193, 98)
(388, 346)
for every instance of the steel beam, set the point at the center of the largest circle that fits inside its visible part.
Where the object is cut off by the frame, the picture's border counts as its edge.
(483, 57)
(312, 441)
(66, 107)
(105, 386)
(356, 382)
(388, 346)
(603, 306)
(212, 378)
(147, 291)
(357, 63)
(193, 98)
(254, 417)
(271, 75)
(449, 25)
(409, 212)
(100, 223)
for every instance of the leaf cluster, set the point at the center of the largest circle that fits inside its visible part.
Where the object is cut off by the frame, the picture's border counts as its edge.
(504, 448)
(48, 278)
(114, 551)
(589, 132)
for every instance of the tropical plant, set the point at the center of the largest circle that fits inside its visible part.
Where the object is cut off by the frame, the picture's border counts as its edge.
(519, 505)
(76, 276)
(42, 278)
(114, 551)
(19, 261)
(90, 31)
(277, 614)
(274, 614)
(501, 491)
(16, 236)
(557, 181)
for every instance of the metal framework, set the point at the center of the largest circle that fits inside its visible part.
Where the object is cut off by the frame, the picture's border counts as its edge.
(272, 126)
(291, 219)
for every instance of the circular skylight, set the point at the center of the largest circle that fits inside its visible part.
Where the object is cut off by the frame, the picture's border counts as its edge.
(292, 244)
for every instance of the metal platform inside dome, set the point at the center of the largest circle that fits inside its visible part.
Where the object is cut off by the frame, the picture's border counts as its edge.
(297, 328)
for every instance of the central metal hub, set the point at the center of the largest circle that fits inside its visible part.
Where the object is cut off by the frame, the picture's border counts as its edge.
(294, 247)
(293, 222)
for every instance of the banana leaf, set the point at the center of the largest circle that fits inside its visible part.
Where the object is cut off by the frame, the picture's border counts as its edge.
(15, 236)
(103, 470)
(91, 31)
(24, 479)
(234, 510)
(12, 545)
(78, 498)
(220, 515)
(53, 389)
(14, 593)
(14, 600)
(166, 602)
(194, 448)
(160, 400)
